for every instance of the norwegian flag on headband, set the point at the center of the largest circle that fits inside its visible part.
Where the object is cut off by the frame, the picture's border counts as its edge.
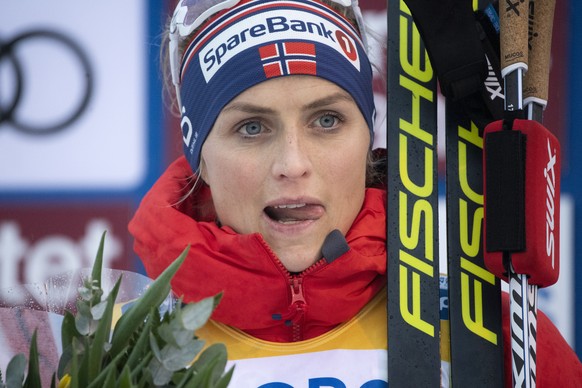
(285, 58)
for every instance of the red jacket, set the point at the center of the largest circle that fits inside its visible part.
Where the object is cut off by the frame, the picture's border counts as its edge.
(263, 299)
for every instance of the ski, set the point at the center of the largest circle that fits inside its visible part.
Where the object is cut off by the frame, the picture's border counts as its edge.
(474, 292)
(412, 207)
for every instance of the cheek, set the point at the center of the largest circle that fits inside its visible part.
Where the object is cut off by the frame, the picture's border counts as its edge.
(233, 181)
(349, 165)
(225, 177)
(215, 162)
(231, 171)
(347, 181)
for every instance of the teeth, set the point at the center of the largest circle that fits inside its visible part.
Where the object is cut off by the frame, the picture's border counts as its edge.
(288, 222)
(291, 206)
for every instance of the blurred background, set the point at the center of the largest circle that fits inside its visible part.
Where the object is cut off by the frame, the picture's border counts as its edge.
(78, 153)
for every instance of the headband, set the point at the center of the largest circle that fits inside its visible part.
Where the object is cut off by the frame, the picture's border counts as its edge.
(262, 39)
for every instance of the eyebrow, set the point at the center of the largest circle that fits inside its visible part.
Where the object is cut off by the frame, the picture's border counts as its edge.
(329, 100)
(247, 108)
(257, 109)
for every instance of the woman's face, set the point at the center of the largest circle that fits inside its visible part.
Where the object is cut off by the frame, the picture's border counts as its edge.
(287, 159)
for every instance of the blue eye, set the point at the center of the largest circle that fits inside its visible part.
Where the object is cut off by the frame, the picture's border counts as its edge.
(251, 128)
(327, 121)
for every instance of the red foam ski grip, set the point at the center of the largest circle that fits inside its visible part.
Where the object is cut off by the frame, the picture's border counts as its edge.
(521, 178)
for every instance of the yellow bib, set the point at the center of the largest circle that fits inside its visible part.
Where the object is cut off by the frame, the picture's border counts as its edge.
(351, 355)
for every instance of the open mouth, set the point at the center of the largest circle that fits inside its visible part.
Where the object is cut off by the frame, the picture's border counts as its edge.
(293, 213)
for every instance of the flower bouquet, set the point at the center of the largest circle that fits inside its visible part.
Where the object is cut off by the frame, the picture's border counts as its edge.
(104, 342)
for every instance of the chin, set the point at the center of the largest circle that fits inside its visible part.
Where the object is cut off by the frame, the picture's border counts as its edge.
(293, 265)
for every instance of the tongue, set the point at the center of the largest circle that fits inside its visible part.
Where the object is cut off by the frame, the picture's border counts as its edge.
(308, 212)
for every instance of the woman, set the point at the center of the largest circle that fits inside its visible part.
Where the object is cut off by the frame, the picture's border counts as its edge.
(274, 193)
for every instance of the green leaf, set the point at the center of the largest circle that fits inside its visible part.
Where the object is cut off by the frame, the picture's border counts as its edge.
(209, 367)
(155, 348)
(125, 378)
(84, 321)
(65, 361)
(175, 359)
(180, 377)
(141, 371)
(98, 264)
(84, 363)
(160, 375)
(153, 296)
(202, 378)
(195, 315)
(110, 378)
(85, 292)
(15, 371)
(33, 376)
(106, 371)
(139, 350)
(166, 333)
(68, 332)
(98, 310)
(68, 329)
(102, 335)
(225, 379)
(174, 333)
(213, 352)
(74, 370)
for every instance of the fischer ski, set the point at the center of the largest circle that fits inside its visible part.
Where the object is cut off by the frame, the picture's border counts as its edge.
(412, 207)
(474, 292)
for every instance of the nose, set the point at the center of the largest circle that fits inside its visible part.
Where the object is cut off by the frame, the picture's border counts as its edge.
(292, 158)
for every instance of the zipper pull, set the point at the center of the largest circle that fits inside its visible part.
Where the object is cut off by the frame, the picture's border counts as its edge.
(297, 306)
(297, 297)
(295, 314)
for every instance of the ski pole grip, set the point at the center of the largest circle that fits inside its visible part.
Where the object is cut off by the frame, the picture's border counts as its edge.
(535, 84)
(521, 161)
(514, 37)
